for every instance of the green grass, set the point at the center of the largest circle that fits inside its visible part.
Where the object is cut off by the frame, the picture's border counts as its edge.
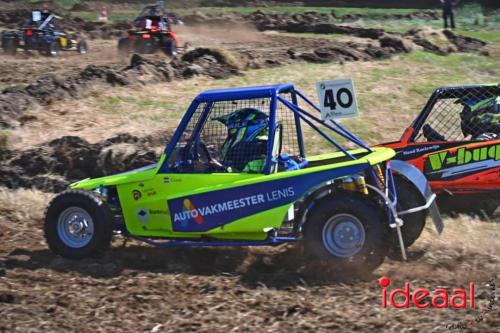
(113, 15)
(490, 36)
(62, 3)
(390, 92)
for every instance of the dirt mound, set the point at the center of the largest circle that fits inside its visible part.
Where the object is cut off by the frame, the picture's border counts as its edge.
(422, 15)
(278, 21)
(55, 164)
(444, 42)
(82, 7)
(142, 70)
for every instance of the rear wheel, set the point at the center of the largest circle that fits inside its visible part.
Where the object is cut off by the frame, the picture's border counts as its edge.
(9, 46)
(346, 232)
(78, 225)
(52, 49)
(169, 47)
(82, 47)
(146, 46)
(123, 47)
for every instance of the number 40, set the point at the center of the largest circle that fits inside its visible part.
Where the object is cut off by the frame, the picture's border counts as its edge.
(330, 98)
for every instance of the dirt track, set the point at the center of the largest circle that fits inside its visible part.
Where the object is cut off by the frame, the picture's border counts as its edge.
(137, 288)
(26, 68)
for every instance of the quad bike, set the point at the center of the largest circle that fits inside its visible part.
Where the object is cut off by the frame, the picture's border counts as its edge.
(455, 142)
(236, 173)
(42, 35)
(152, 33)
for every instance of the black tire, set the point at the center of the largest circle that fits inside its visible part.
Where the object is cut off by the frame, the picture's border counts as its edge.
(82, 47)
(52, 49)
(123, 47)
(408, 197)
(169, 46)
(371, 251)
(9, 46)
(146, 46)
(55, 231)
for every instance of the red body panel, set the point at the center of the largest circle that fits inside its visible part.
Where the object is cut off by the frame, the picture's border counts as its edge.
(462, 167)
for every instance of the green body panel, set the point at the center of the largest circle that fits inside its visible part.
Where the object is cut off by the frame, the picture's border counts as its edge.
(150, 190)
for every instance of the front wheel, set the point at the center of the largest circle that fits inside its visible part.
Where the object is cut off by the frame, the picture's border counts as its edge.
(82, 47)
(52, 49)
(414, 223)
(78, 225)
(346, 232)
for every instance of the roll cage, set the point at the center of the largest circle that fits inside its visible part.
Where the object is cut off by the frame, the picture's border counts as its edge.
(442, 110)
(281, 98)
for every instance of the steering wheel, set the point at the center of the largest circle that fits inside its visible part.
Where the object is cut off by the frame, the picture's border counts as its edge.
(431, 134)
(196, 154)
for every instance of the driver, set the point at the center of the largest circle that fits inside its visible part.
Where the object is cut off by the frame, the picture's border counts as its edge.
(481, 118)
(245, 146)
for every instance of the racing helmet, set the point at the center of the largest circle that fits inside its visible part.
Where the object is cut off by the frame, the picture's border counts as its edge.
(480, 116)
(246, 140)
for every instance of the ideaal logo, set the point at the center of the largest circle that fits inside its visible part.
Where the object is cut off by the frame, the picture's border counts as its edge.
(439, 298)
(463, 156)
(421, 298)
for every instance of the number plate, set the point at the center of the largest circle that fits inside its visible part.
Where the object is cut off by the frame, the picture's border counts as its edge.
(337, 99)
(36, 16)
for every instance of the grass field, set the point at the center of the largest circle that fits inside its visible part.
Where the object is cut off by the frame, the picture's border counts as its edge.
(390, 94)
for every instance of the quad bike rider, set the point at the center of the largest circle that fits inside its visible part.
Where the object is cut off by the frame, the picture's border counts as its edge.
(152, 32)
(42, 34)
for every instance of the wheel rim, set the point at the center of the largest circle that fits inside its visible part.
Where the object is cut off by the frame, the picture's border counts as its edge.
(343, 235)
(75, 227)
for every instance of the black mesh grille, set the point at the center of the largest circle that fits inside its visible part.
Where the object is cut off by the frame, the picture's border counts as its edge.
(457, 115)
(243, 156)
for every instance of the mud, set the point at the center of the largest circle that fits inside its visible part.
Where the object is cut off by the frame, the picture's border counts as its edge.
(275, 21)
(73, 76)
(441, 42)
(444, 42)
(136, 288)
(141, 70)
(52, 166)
